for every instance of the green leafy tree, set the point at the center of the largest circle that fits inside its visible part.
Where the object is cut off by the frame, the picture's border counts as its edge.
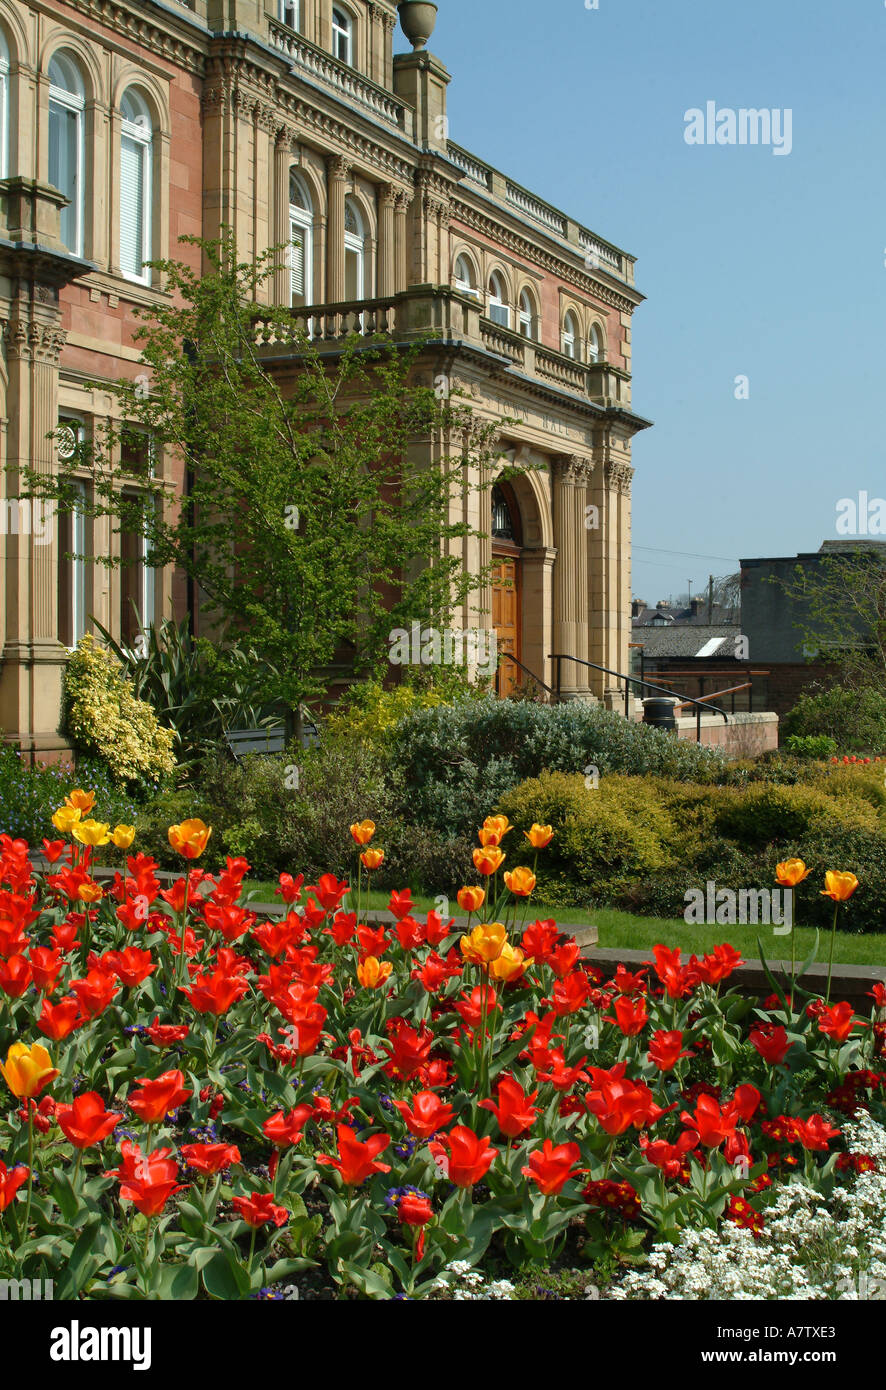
(312, 520)
(839, 610)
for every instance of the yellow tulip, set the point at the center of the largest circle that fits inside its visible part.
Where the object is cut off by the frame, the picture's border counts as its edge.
(372, 858)
(510, 964)
(92, 833)
(123, 835)
(65, 818)
(27, 1069)
(485, 943)
(839, 886)
(486, 861)
(539, 836)
(471, 899)
(791, 872)
(190, 838)
(81, 801)
(521, 881)
(363, 831)
(373, 972)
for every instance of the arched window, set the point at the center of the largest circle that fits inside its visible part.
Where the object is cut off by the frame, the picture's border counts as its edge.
(136, 186)
(595, 344)
(4, 107)
(342, 36)
(527, 315)
(499, 309)
(503, 525)
(355, 276)
(570, 334)
(465, 279)
(301, 242)
(288, 12)
(67, 146)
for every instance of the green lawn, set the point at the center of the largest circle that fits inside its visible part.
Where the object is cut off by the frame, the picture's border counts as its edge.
(638, 933)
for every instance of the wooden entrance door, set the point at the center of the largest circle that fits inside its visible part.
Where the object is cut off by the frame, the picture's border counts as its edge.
(506, 618)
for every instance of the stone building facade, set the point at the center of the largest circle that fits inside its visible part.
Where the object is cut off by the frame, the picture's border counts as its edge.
(127, 124)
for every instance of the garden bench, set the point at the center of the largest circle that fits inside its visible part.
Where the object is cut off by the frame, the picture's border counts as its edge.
(246, 743)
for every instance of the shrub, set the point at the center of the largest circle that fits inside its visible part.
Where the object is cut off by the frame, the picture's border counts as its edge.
(30, 795)
(766, 814)
(811, 745)
(855, 719)
(459, 760)
(104, 718)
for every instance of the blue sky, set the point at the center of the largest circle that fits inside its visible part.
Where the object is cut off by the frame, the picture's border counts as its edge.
(752, 263)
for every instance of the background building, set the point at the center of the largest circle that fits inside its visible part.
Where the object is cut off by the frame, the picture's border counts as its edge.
(124, 126)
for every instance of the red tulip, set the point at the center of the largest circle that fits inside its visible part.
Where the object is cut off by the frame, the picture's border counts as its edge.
(677, 979)
(58, 1020)
(15, 976)
(631, 1015)
(414, 1209)
(165, 1034)
(285, 1127)
(215, 993)
(210, 1158)
(328, 891)
(86, 1121)
(618, 1103)
(815, 1133)
(11, 1180)
(260, 1208)
(408, 1050)
(401, 904)
(45, 966)
(357, 1161)
(428, 1114)
(666, 1049)
(131, 966)
(159, 1096)
(669, 1157)
(146, 1180)
(551, 1168)
(539, 940)
(552, 1068)
(95, 992)
(837, 1021)
(771, 1042)
(469, 1157)
(515, 1111)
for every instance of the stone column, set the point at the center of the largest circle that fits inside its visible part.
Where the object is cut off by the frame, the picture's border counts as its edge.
(609, 573)
(387, 251)
(339, 172)
(571, 473)
(282, 166)
(401, 241)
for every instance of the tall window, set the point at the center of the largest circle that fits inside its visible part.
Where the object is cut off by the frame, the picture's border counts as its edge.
(465, 280)
(4, 107)
(72, 560)
(137, 576)
(301, 239)
(595, 344)
(570, 334)
(136, 184)
(342, 36)
(355, 277)
(67, 147)
(288, 12)
(499, 309)
(527, 315)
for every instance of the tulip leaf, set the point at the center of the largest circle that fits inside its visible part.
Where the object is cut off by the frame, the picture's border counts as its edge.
(224, 1277)
(180, 1281)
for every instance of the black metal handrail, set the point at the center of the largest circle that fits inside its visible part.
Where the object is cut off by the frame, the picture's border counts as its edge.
(560, 657)
(538, 680)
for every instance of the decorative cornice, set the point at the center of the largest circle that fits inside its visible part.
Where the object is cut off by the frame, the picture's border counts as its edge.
(30, 339)
(530, 251)
(135, 25)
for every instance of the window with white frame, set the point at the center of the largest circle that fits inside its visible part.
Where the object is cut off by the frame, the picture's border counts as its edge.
(570, 334)
(67, 146)
(4, 107)
(595, 344)
(288, 12)
(72, 538)
(499, 309)
(342, 36)
(527, 315)
(136, 186)
(137, 575)
(465, 279)
(301, 242)
(355, 272)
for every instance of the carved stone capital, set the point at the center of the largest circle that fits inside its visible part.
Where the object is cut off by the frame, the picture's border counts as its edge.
(339, 168)
(618, 477)
(573, 470)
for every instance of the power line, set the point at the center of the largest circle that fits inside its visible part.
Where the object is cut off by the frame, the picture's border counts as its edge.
(688, 554)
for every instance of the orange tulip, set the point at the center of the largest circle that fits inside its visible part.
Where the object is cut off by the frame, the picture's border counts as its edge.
(373, 972)
(539, 836)
(363, 832)
(81, 801)
(486, 861)
(190, 838)
(485, 943)
(372, 858)
(471, 899)
(510, 965)
(791, 872)
(839, 886)
(521, 881)
(501, 824)
(488, 836)
(89, 892)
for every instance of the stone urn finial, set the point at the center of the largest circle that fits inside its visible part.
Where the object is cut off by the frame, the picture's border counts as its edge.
(417, 20)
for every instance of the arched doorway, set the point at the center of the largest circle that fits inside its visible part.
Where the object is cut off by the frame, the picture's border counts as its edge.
(507, 595)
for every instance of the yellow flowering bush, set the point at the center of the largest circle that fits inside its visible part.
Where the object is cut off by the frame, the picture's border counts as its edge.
(104, 718)
(375, 717)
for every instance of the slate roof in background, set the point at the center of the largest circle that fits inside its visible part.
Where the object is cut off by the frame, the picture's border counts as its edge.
(686, 640)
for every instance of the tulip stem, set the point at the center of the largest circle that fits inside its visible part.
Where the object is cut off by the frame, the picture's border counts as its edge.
(77, 1164)
(831, 953)
(30, 1167)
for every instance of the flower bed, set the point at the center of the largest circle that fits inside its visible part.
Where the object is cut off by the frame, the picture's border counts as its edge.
(204, 1104)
